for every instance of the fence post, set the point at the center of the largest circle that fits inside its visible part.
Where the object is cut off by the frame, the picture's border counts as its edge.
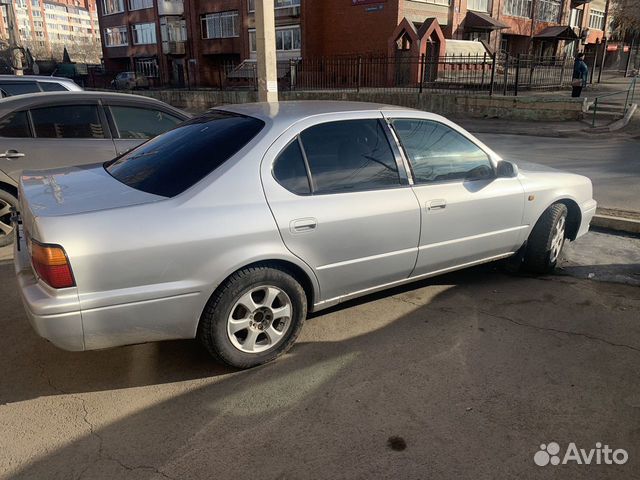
(484, 64)
(564, 64)
(626, 69)
(292, 74)
(506, 73)
(515, 90)
(422, 57)
(359, 74)
(493, 73)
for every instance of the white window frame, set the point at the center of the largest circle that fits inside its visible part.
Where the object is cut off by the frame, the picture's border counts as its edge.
(277, 4)
(549, 11)
(141, 5)
(596, 19)
(105, 11)
(517, 8)
(108, 34)
(252, 38)
(144, 33)
(479, 5)
(216, 21)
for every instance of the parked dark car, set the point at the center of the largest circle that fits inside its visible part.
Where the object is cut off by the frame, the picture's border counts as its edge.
(51, 130)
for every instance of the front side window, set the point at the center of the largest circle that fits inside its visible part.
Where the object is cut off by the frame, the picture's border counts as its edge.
(67, 121)
(176, 160)
(350, 156)
(142, 123)
(116, 37)
(220, 25)
(15, 125)
(438, 153)
(144, 33)
(289, 170)
(20, 88)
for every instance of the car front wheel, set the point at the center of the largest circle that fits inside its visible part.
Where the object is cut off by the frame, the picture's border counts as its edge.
(6, 228)
(253, 317)
(546, 241)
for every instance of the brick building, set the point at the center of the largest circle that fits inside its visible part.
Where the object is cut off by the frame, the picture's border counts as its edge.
(209, 42)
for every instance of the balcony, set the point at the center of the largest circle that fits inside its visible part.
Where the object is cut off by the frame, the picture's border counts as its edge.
(173, 48)
(170, 7)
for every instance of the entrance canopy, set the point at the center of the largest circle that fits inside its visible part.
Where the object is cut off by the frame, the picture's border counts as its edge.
(557, 33)
(482, 21)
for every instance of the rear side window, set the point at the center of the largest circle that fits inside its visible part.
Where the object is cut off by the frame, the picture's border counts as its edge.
(20, 88)
(178, 159)
(289, 170)
(350, 156)
(141, 123)
(52, 87)
(67, 121)
(15, 125)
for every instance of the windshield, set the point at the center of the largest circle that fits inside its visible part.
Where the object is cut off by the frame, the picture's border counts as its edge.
(176, 160)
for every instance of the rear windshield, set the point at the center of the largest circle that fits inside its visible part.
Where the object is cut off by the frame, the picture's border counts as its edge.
(176, 160)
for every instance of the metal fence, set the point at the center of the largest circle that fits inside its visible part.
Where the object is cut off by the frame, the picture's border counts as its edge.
(483, 74)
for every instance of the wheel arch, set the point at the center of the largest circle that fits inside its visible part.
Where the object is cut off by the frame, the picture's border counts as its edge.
(574, 217)
(7, 187)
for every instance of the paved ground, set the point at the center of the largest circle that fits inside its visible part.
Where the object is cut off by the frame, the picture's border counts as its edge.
(471, 371)
(612, 163)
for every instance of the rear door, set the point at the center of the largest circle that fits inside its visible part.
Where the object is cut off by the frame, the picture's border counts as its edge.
(133, 124)
(59, 135)
(342, 203)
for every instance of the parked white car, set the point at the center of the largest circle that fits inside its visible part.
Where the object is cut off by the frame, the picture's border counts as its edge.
(235, 224)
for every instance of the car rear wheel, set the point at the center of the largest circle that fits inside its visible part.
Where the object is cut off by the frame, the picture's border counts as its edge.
(546, 241)
(254, 317)
(6, 228)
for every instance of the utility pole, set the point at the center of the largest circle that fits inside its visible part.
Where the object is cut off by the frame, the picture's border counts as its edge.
(266, 51)
(604, 40)
(14, 37)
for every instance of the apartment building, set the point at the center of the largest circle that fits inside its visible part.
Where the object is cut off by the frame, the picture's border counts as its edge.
(46, 27)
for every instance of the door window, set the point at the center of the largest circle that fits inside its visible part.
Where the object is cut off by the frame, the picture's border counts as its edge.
(15, 125)
(289, 170)
(67, 121)
(439, 153)
(20, 88)
(142, 123)
(52, 87)
(350, 156)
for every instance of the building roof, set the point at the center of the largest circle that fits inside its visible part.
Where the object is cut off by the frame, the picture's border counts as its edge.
(562, 32)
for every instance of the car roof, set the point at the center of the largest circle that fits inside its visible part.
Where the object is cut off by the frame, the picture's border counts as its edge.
(19, 102)
(39, 78)
(288, 113)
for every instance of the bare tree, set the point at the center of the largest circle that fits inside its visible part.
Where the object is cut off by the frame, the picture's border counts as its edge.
(625, 18)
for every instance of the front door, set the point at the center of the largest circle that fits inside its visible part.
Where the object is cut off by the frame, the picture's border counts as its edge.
(342, 204)
(56, 136)
(468, 214)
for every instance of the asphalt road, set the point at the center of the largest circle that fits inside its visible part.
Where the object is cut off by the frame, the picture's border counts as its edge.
(612, 162)
(462, 376)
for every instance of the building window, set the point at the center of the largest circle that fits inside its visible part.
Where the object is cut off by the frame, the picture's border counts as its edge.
(220, 25)
(144, 33)
(517, 8)
(111, 6)
(436, 2)
(140, 4)
(479, 5)
(549, 10)
(147, 67)
(576, 17)
(596, 19)
(287, 39)
(115, 37)
(277, 4)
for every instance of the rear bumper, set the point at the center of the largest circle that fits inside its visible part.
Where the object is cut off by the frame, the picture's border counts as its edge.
(588, 210)
(53, 314)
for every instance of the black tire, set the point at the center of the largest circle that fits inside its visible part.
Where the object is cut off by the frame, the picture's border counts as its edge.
(538, 256)
(212, 330)
(6, 198)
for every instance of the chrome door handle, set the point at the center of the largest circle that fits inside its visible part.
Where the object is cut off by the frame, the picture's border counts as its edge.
(301, 225)
(439, 204)
(11, 154)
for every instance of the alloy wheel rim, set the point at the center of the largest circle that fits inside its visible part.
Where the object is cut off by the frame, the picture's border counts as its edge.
(6, 228)
(558, 239)
(259, 319)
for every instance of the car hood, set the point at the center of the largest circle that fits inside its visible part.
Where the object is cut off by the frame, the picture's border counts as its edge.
(73, 190)
(535, 167)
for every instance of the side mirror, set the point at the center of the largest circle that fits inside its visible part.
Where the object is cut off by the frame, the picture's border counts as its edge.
(507, 169)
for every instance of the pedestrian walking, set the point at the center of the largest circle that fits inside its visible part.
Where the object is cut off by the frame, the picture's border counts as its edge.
(580, 75)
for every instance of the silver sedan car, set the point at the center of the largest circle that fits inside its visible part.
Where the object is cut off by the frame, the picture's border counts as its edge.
(233, 226)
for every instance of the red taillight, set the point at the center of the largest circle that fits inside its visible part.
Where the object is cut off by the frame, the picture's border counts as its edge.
(52, 265)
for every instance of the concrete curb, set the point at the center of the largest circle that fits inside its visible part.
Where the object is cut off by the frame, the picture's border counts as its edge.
(618, 124)
(618, 224)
